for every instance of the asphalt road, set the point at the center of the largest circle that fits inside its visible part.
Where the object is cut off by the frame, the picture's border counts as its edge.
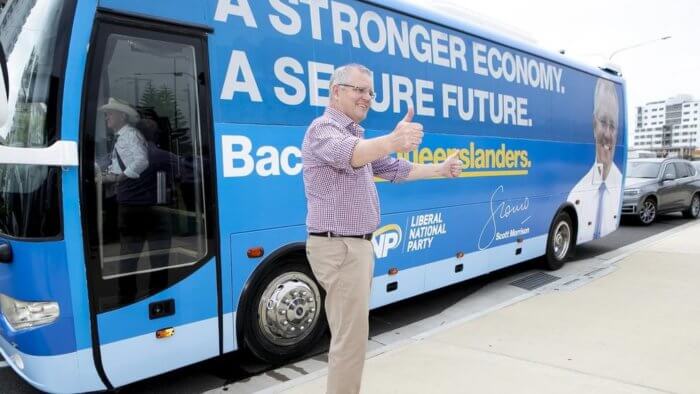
(231, 368)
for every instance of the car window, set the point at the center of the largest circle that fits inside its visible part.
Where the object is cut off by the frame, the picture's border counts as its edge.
(681, 170)
(670, 170)
(691, 169)
(643, 169)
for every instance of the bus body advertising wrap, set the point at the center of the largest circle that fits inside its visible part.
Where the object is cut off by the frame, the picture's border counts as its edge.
(181, 232)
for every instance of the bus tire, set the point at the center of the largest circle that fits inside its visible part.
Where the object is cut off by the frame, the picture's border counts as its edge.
(561, 242)
(285, 317)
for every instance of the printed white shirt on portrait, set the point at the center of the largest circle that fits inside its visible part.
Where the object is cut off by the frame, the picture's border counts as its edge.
(587, 193)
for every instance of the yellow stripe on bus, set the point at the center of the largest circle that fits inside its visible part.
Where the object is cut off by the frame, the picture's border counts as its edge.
(476, 174)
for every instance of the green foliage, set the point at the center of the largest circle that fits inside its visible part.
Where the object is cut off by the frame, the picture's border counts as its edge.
(163, 101)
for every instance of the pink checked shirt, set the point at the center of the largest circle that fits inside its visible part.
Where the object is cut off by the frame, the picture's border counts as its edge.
(340, 198)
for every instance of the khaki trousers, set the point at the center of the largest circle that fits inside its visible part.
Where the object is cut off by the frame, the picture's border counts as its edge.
(344, 267)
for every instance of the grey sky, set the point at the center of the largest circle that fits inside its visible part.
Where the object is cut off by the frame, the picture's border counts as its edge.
(591, 30)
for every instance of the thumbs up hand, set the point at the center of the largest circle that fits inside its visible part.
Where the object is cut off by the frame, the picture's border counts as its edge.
(452, 167)
(407, 135)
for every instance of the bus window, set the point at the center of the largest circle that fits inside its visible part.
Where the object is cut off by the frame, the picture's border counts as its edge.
(148, 166)
(28, 37)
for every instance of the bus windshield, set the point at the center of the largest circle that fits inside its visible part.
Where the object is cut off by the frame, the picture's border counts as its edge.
(643, 169)
(28, 31)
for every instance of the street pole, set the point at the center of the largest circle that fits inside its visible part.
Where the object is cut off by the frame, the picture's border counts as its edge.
(615, 52)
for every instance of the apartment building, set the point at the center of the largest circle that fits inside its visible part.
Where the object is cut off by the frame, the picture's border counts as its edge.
(669, 126)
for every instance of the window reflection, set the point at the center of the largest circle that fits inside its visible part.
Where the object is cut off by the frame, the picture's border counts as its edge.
(28, 34)
(148, 165)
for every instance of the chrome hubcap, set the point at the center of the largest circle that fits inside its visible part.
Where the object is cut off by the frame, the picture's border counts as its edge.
(648, 212)
(288, 309)
(562, 240)
(695, 206)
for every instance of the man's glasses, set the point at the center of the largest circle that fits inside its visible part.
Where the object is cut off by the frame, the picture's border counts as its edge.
(360, 90)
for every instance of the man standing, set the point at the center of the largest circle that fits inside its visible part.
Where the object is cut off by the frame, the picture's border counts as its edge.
(597, 195)
(343, 210)
(129, 156)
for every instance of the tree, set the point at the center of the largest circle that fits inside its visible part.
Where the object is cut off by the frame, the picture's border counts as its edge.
(163, 101)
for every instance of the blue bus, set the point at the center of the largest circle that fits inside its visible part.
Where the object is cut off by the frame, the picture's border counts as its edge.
(151, 202)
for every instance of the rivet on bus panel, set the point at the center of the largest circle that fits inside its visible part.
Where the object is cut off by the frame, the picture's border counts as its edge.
(256, 252)
(165, 333)
(460, 255)
(393, 271)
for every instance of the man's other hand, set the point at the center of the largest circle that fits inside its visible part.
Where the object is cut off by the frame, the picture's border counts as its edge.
(452, 167)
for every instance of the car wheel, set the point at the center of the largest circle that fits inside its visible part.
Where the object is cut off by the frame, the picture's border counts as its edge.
(560, 242)
(694, 209)
(284, 316)
(647, 212)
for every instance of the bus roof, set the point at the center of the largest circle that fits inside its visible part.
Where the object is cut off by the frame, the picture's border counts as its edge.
(463, 24)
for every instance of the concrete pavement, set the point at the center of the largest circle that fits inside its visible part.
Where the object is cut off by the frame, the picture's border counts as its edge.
(634, 330)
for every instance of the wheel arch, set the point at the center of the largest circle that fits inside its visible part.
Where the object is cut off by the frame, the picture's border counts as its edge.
(570, 209)
(652, 196)
(290, 252)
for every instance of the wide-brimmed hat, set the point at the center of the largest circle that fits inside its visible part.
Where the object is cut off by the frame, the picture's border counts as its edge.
(114, 104)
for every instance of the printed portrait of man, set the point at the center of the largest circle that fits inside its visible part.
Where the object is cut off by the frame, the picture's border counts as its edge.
(597, 195)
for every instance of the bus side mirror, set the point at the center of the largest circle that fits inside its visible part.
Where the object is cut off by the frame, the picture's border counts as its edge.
(4, 87)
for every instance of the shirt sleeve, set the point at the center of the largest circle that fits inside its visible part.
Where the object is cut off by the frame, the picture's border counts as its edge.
(391, 168)
(330, 145)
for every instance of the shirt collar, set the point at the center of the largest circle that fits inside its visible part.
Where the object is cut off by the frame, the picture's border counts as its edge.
(344, 120)
(123, 129)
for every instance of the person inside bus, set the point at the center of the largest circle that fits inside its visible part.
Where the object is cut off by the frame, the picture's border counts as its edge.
(134, 174)
(343, 210)
(599, 191)
(129, 157)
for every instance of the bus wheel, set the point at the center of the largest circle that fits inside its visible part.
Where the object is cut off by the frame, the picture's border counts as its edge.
(285, 317)
(560, 242)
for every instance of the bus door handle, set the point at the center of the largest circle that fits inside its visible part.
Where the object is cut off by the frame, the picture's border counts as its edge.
(5, 252)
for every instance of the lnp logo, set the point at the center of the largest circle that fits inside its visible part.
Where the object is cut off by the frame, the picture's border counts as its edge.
(385, 239)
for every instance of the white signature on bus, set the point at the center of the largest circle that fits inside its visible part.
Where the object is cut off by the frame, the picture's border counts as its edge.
(500, 212)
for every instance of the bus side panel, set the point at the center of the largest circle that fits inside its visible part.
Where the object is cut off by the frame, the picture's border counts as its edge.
(260, 184)
(270, 240)
(264, 161)
(289, 87)
(434, 275)
(127, 332)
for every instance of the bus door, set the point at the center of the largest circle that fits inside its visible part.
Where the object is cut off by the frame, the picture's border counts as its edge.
(147, 199)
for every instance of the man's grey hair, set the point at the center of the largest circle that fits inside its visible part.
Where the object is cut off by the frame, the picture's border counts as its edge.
(605, 98)
(342, 73)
